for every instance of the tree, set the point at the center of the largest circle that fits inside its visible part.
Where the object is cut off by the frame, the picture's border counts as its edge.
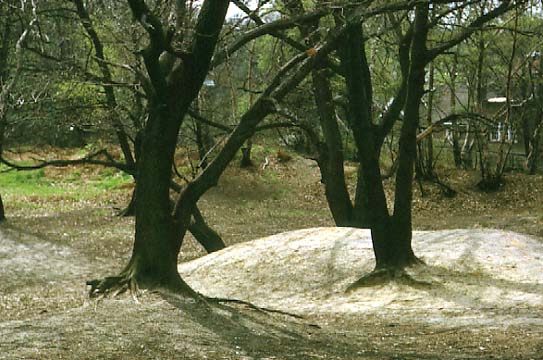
(391, 233)
(172, 82)
(112, 89)
(170, 90)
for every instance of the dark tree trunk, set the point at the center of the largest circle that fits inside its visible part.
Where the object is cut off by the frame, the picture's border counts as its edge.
(370, 207)
(2, 213)
(204, 234)
(400, 252)
(454, 129)
(158, 237)
(330, 153)
(425, 159)
(358, 81)
(391, 235)
(246, 154)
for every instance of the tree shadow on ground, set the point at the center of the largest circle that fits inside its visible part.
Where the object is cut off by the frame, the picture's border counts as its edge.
(446, 284)
(258, 334)
(469, 271)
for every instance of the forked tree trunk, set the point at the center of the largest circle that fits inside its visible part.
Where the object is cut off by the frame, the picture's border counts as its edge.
(159, 233)
(391, 235)
(388, 243)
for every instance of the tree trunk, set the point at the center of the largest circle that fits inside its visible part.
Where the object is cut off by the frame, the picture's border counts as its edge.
(159, 234)
(454, 128)
(2, 213)
(396, 251)
(425, 163)
(370, 206)
(204, 234)
(246, 154)
(359, 93)
(158, 238)
(330, 153)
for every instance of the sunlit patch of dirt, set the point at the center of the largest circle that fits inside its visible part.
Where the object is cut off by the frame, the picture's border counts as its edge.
(468, 273)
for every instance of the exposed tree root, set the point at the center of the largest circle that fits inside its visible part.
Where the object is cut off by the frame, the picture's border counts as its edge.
(387, 275)
(117, 285)
(251, 306)
(113, 285)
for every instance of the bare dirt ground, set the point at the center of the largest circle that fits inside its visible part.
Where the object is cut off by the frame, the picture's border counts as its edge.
(480, 297)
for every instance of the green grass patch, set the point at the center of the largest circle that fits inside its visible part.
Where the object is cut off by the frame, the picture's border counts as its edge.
(74, 185)
(111, 180)
(31, 182)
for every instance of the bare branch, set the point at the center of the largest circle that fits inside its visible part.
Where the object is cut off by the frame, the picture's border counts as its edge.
(472, 27)
(89, 159)
(266, 29)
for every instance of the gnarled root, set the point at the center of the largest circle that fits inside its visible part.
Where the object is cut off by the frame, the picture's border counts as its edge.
(113, 285)
(128, 281)
(386, 275)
